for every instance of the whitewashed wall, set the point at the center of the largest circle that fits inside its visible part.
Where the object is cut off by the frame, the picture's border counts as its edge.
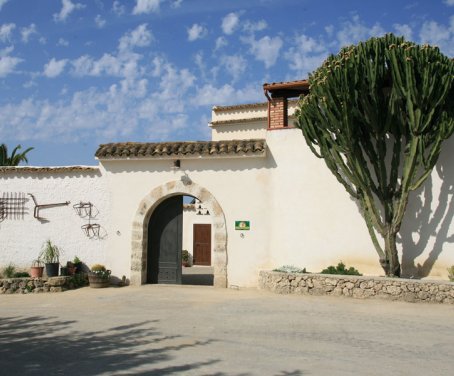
(21, 240)
(239, 185)
(316, 223)
(299, 213)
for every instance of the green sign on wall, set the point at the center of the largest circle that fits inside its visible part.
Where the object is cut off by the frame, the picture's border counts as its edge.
(242, 225)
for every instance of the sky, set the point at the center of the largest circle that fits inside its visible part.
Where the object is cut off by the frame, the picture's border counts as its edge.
(78, 73)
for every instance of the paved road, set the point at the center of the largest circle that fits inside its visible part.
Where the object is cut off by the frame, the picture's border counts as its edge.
(199, 330)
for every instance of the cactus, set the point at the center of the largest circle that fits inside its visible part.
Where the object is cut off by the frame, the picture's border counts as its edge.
(377, 113)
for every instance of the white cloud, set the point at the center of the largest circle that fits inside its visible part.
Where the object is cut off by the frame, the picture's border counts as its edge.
(67, 8)
(106, 65)
(439, 35)
(209, 94)
(54, 68)
(99, 21)
(449, 3)
(354, 31)
(116, 112)
(252, 27)
(146, 6)
(265, 49)
(196, 31)
(235, 65)
(329, 30)
(230, 23)
(174, 81)
(5, 31)
(305, 55)
(176, 4)
(220, 42)
(62, 42)
(2, 3)
(26, 32)
(139, 37)
(404, 30)
(118, 8)
(8, 63)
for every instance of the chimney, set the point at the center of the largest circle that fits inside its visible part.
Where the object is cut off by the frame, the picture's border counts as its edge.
(278, 95)
(277, 112)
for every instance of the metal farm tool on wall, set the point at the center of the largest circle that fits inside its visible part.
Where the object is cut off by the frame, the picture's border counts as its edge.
(45, 206)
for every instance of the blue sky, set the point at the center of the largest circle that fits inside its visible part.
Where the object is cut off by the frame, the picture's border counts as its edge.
(77, 73)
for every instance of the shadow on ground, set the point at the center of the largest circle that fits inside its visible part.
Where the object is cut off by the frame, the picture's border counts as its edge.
(197, 275)
(37, 345)
(46, 346)
(197, 279)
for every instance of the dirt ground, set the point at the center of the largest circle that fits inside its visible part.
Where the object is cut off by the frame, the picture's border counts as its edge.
(200, 330)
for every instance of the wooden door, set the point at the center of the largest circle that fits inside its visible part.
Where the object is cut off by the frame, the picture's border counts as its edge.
(202, 244)
(165, 242)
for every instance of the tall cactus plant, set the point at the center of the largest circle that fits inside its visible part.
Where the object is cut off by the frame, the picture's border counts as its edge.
(377, 113)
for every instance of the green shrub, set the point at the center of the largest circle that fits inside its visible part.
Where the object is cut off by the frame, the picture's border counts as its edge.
(8, 271)
(21, 275)
(340, 269)
(451, 273)
(185, 256)
(289, 269)
(79, 280)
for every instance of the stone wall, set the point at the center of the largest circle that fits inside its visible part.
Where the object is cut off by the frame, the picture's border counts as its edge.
(38, 285)
(408, 290)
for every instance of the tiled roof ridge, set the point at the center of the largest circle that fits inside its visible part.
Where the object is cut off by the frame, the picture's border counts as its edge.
(270, 85)
(38, 169)
(181, 149)
(245, 105)
(243, 120)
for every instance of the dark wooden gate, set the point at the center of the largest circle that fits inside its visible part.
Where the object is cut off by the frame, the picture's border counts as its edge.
(202, 244)
(164, 242)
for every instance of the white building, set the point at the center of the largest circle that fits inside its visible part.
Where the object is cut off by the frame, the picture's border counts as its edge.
(265, 201)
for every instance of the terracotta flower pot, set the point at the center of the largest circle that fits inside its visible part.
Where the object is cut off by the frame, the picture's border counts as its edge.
(36, 271)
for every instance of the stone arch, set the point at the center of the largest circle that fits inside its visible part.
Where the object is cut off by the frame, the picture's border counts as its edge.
(140, 229)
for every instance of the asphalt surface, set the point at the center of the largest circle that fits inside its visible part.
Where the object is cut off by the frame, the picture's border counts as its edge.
(200, 330)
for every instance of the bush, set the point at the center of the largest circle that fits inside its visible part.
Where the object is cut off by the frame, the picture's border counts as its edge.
(21, 275)
(340, 269)
(8, 271)
(100, 271)
(290, 269)
(451, 273)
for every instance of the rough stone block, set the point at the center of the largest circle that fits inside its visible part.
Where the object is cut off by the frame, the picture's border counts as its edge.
(393, 290)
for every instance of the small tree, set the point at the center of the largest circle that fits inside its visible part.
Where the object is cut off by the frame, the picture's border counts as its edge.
(15, 158)
(377, 113)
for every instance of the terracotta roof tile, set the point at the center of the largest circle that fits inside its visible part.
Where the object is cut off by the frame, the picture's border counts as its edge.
(194, 149)
(246, 106)
(38, 169)
(286, 85)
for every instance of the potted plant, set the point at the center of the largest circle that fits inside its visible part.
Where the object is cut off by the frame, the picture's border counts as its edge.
(99, 276)
(37, 268)
(78, 264)
(185, 258)
(50, 255)
(71, 268)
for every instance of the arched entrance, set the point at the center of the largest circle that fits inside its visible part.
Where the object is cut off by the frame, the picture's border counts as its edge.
(139, 244)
